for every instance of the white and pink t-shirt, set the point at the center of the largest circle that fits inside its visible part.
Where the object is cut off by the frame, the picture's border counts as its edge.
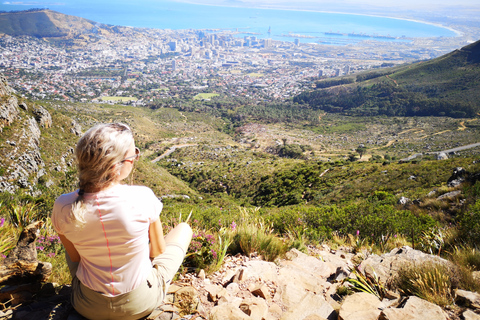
(113, 243)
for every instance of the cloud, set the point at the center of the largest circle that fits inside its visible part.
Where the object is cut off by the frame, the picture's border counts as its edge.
(22, 3)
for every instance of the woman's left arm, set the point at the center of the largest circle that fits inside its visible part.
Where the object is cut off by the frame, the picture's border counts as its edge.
(157, 241)
(70, 248)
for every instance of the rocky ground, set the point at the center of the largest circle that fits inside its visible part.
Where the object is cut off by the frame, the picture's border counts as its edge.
(301, 286)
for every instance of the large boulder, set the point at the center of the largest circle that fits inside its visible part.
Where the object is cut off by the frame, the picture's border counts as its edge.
(468, 299)
(414, 309)
(457, 177)
(360, 306)
(310, 306)
(387, 265)
(42, 116)
(8, 104)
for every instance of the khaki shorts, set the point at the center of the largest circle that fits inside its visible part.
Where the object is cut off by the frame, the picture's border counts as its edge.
(135, 304)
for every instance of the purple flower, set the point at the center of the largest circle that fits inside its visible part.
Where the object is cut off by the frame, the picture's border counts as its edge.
(2, 221)
(3, 256)
(233, 226)
(358, 232)
(40, 248)
(51, 255)
(214, 254)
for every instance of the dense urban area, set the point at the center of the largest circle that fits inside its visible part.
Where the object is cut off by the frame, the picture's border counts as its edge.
(141, 66)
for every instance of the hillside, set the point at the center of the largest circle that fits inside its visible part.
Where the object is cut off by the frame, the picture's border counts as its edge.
(445, 86)
(37, 144)
(47, 24)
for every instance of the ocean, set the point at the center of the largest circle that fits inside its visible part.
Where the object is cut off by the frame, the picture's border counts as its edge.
(307, 26)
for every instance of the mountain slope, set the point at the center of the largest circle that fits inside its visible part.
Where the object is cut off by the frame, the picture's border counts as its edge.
(37, 141)
(46, 23)
(448, 85)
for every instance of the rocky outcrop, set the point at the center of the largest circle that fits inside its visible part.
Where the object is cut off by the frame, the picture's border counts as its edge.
(414, 309)
(387, 265)
(21, 161)
(300, 287)
(8, 104)
(42, 116)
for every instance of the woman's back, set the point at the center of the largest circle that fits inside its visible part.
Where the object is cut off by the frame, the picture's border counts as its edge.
(113, 240)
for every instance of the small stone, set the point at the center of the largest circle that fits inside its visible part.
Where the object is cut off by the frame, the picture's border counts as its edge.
(260, 290)
(201, 274)
(233, 288)
(470, 315)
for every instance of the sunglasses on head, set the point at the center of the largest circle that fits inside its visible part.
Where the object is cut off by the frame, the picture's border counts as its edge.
(135, 157)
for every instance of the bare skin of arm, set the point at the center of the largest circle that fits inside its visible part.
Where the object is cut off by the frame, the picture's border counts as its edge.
(70, 248)
(157, 241)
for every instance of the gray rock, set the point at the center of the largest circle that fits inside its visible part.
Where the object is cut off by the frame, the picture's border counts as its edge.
(23, 106)
(8, 110)
(42, 116)
(228, 312)
(76, 128)
(255, 308)
(360, 306)
(34, 131)
(310, 306)
(442, 156)
(457, 177)
(450, 195)
(23, 183)
(467, 298)
(470, 315)
(414, 309)
(387, 265)
(403, 201)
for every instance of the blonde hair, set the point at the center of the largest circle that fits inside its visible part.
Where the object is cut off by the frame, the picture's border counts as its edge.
(99, 155)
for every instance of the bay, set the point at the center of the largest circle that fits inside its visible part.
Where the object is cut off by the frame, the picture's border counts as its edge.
(285, 25)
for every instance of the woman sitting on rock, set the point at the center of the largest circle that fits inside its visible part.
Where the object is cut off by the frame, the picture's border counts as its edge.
(120, 262)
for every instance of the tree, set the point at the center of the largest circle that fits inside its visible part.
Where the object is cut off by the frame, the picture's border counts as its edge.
(361, 150)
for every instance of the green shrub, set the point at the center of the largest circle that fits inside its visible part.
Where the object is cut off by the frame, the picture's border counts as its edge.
(428, 281)
(253, 234)
(469, 226)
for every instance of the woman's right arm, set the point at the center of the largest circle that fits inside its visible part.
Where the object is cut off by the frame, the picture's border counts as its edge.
(70, 248)
(157, 241)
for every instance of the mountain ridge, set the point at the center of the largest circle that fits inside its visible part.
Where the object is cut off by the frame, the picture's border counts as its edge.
(47, 23)
(448, 85)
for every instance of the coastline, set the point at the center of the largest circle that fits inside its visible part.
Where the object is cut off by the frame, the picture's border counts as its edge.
(457, 32)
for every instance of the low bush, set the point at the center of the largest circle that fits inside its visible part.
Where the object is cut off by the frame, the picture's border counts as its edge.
(428, 281)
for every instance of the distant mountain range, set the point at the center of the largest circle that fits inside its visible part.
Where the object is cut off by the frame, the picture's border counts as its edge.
(48, 24)
(445, 86)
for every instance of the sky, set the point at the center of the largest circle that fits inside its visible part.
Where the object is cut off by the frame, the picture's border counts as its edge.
(354, 5)
(399, 8)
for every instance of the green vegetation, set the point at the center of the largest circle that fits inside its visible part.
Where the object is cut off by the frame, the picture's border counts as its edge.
(205, 96)
(432, 282)
(121, 99)
(445, 86)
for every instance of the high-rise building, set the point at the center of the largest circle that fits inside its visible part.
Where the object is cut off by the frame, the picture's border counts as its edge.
(173, 45)
(267, 43)
(297, 42)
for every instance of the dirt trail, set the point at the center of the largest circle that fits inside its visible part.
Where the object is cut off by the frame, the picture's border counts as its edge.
(171, 150)
(434, 134)
(395, 81)
(414, 129)
(462, 124)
